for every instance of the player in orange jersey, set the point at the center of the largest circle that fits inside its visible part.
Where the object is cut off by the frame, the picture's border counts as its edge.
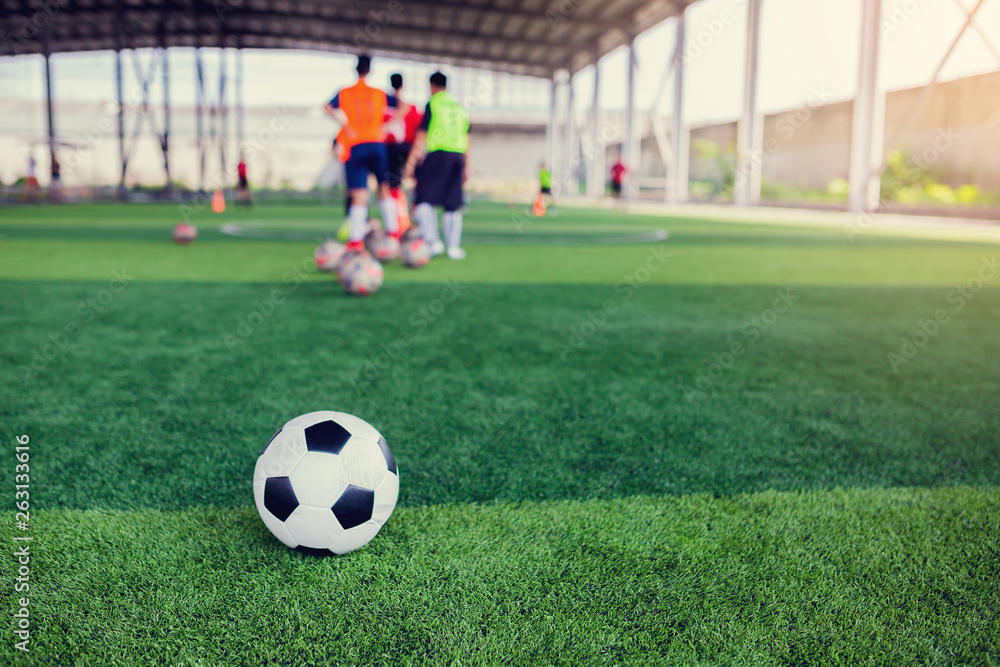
(360, 110)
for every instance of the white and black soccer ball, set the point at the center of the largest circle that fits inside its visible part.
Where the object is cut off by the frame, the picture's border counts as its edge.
(326, 483)
(328, 255)
(360, 273)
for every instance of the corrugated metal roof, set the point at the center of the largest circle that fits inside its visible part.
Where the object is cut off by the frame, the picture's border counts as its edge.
(521, 36)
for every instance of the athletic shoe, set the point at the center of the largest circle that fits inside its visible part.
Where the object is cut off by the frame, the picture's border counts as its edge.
(456, 253)
(437, 248)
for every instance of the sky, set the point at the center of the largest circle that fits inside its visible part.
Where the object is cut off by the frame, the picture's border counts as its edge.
(808, 50)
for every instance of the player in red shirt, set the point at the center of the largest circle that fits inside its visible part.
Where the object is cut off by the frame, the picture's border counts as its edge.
(399, 136)
(243, 189)
(618, 172)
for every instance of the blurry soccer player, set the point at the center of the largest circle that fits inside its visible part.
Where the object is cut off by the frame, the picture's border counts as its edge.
(399, 136)
(618, 172)
(243, 188)
(360, 110)
(544, 181)
(444, 136)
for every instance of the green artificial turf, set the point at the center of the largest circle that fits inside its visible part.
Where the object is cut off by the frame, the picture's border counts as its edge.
(160, 401)
(604, 459)
(902, 576)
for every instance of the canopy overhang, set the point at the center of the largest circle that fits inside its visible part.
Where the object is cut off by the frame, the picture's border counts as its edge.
(520, 36)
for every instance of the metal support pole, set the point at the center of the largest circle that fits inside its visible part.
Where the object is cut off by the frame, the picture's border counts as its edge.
(569, 175)
(199, 95)
(48, 102)
(166, 115)
(223, 112)
(239, 99)
(550, 130)
(595, 177)
(630, 157)
(677, 186)
(121, 121)
(868, 124)
(746, 191)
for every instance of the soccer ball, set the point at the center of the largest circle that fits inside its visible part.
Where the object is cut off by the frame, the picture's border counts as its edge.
(344, 232)
(360, 273)
(412, 233)
(328, 255)
(326, 483)
(185, 233)
(415, 253)
(384, 247)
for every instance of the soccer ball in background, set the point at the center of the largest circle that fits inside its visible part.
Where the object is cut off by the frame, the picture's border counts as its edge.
(185, 233)
(415, 253)
(328, 255)
(385, 248)
(412, 233)
(326, 483)
(359, 273)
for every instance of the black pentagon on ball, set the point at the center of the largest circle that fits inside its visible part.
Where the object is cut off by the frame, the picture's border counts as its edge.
(390, 460)
(328, 436)
(279, 498)
(314, 552)
(354, 506)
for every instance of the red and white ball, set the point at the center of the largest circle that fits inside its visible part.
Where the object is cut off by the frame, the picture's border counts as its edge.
(328, 255)
(384, 247)
(415, 253)
(360, 273)
(185, 233)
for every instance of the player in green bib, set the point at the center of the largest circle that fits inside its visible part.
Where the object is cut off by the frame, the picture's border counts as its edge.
(444, 137)
(545, 181)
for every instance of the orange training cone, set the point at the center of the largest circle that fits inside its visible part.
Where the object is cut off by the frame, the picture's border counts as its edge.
(219, 202)
(539, 208)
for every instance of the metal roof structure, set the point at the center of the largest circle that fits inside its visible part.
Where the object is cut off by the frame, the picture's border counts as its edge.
(528, 37)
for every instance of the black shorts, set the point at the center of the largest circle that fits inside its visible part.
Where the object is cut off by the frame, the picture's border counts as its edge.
(546, 191)
(439, 180)
(243, 182)
(397, 160)
(616, 189)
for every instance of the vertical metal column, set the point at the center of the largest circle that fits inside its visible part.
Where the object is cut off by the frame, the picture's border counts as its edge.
(239, 99)
(48, 99)
(199, 95)
(166, 114)
(595, 176)
(223, 115)
(568, 178)
(630, 157)
(677, 185)
(746, 191)
(550, 130)
(868, 124)
(121, 121)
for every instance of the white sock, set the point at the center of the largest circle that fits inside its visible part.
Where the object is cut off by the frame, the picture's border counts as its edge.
(359, 222)
(453, 228)
(388, 208)
(446, 225)
(427, 220)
